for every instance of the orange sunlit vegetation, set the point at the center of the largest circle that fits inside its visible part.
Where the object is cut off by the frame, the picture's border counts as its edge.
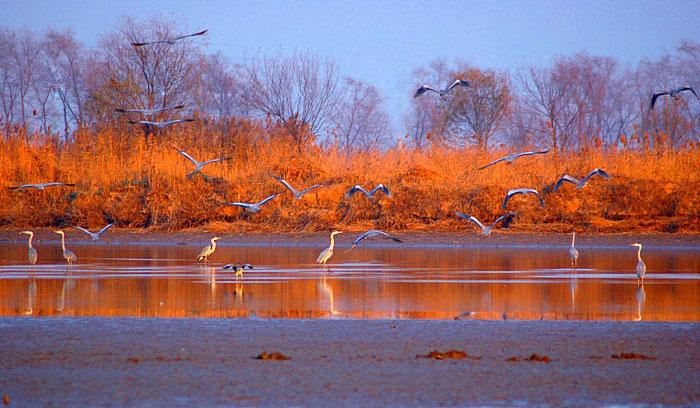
(140, 182)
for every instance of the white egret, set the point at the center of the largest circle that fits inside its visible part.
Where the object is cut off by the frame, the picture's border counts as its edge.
(641, 267)
(485, 230)
(96, 235)
(67, 253)
(32, 253)
(327, 253)
(207, 250)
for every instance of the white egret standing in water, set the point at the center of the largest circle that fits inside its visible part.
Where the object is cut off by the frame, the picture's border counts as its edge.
(641, 267)
(67, 253)
(327, 253)
(207, 250)
(32, 254)
(573, 252)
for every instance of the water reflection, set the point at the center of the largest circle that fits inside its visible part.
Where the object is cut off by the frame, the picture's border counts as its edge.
(366, 283)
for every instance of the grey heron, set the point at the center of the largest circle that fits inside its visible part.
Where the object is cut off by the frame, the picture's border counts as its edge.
(641, 266)
(41, 186)
(673, 93)
(159, 125)
(523, 191)
(149, 112)
(207, 250)
(32, 253)
(573, 252)
(509, 158)
(96, 235)
(580, 183)
(198, 165)
(424, 88)
(170, 41)
(368, 194)
(238, 268)
(67, 253)
(374, 233)
(485, 230)
(252, 207)
(327, 253)
(294, 191)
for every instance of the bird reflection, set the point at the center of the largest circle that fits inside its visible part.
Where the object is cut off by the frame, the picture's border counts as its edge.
(327, 289)
(68, 284)
(31, 295)
(641, 298)
(573, 286)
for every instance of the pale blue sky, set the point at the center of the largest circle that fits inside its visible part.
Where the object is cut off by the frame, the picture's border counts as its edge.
(383, 42)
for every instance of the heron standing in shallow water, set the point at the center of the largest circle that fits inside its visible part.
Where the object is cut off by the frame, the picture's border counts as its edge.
(573, 252)
(327, 253)
(32, 254)
(641, 267)
(207, 250)
(67, 253)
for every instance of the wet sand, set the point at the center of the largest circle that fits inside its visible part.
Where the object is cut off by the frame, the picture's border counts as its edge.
(210, 362)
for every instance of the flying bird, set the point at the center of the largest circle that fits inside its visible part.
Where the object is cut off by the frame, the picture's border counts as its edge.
(207, 250)
(509, 159)
(32, 253)
(170, 41)
(40, 186)
(159, 125)
(327, 253)
(424, 88)
(252, 207)
(238, 268)
(641, 267)
(573, 252)
(374, 233)
(582, 182)
(485, 230)
(149, 111)
(198, 164)
(673, 93)
(368, 194)
(67, 253)
(96, 235)
(294, 191)
(523, 191)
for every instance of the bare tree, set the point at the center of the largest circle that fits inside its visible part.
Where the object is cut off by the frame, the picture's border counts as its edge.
(299, 91)
(360, 120)
(9, 85)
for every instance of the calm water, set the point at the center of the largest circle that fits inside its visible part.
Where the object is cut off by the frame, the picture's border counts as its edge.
(374, 282)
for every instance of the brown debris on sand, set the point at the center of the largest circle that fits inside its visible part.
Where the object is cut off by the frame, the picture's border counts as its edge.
(533, 357)
(271, 356)
(449, 354)
(631, 356)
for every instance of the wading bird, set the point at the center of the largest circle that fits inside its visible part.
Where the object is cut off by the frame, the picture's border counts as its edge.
(368, 194)
(207, 250)
(159, 125)
(641, 267)
(198, 164)
(238, 268)
(374, 233)
(294, 191)
(96, 235)
(67, 253)
(485, 230)
(252, 207)
(573, 252)
(523, 191)
(673, 93)
(149, 112)
(41, 186)
(424, 88)
(582, 182)
(32, 254)
(327, 253)
(509, 159)
(169, 41)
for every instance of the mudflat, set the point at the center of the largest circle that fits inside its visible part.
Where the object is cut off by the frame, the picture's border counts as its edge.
(211, 362)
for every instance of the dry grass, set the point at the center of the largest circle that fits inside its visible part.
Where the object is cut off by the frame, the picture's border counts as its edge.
(141, 184)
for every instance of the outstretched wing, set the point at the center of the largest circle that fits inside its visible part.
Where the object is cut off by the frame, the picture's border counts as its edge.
(120, 110)
(689, 88)
(268, 199)
(471, 218)
(238, 204)
(493, 162)
(597, 171)
(188, 157)
(457, 82)
(102, 231)
(166, 108)
(286, 184)
(566, 177)
(654, 97)
(306, 190)
(502, 218)
(355, 189)
(143, 122)
(190, 35)
(173, 122)
(218, 159)
(86, 231)
(374, 233)
(380, 187)
(423, 89)
(532, 153)
(522, 191)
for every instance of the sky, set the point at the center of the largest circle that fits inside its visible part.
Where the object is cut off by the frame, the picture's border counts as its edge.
(384, 42)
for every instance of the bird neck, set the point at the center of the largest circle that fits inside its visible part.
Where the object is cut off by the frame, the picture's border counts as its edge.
(639, 254)
(31, 236)
(63, 242)
(332, 242)
(213, 244)
(573, 239)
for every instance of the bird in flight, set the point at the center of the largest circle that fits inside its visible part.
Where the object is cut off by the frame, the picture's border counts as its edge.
(96, 235)
(170, 41)
(523, 191)
(485, 230)
(198, 165)
(294, 191)
(424, 88)
(509, 159)
(368, 194)
(149, 111)
(252, 207)
(238, 268)
(41, 186)
(673, 93)
(159, 125)
(374, 233)
(582, 182)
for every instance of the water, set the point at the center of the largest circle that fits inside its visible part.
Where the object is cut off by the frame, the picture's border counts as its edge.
(373, 282)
